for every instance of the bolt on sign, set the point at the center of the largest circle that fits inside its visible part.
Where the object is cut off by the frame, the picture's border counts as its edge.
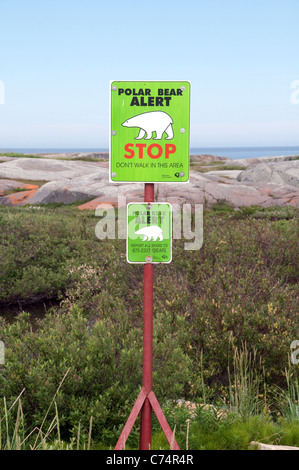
(149, 233)
(149, 131)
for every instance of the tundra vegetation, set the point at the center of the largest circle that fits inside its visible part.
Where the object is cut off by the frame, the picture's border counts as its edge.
(224, 319)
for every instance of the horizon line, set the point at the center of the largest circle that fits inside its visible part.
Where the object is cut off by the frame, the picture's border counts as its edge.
(191, 147)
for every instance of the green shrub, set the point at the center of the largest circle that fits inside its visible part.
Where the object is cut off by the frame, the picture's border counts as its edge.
(230, 433)
(239, 289)
(38, 247)
(289, 435)
(104, 364)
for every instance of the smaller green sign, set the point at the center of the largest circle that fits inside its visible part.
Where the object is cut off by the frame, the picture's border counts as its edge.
(149, 233)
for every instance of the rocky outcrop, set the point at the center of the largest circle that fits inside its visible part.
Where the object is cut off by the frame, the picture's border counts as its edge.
(254, 161)
(265, 184)
(206, 158)
(283, 173)
(47, 170)
(97, 156)
(11, 185)
(89, 186)
(262, 446)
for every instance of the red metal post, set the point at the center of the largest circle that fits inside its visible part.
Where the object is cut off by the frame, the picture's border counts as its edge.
(147, 401)
(145, 439)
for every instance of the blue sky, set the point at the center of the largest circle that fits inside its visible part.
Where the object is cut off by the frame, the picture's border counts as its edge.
(57, 58)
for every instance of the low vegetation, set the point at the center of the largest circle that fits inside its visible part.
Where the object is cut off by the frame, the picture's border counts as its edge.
(204, 168)
(96, 158)
(224, 319)
(18, 155)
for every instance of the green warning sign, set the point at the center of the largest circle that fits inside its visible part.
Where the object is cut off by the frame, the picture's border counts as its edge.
(149, 131)
(149, 234)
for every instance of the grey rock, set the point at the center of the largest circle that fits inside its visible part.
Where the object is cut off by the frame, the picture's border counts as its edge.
(5, 159)
(262, 446)
(254, 161)
(265, 184)
(283, 173)
(94, 185)
(46, 169)
(232, 174)
(9, 185)
(207, 158)
(97, 156)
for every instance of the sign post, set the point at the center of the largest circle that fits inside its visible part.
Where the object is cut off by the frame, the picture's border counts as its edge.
(145, 437)
(149, 142)
(147, 401)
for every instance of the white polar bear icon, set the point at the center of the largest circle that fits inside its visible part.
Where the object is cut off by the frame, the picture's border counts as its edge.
(152, 232)
(154, 121)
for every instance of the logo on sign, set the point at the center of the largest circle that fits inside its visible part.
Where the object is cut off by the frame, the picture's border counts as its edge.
(156, 122)
(153, 232)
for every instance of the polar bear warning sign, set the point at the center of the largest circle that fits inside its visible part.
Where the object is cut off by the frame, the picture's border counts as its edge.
(149, 234)
(149, 131)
